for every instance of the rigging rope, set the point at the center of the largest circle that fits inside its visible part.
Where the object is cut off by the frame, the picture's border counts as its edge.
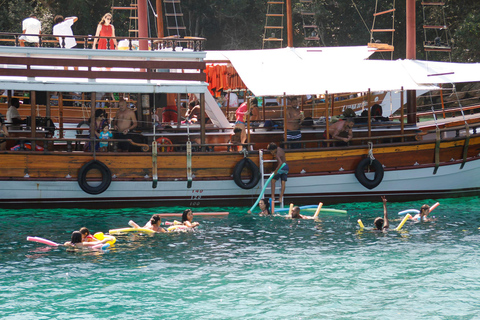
(361, 16)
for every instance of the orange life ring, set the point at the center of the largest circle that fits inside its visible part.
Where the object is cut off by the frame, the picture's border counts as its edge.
(163, 141)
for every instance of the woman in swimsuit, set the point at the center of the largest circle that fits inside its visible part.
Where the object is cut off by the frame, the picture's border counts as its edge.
(152, 224)
(187, 218)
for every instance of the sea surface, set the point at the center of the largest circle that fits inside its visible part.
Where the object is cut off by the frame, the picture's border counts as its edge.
(244, 266)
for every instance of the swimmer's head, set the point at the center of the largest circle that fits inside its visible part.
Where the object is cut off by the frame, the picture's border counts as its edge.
(272, 146)
(187, 215)
(295, 212)
(76, 237)
(425, 210)
(378, 222)
(156, 218)
(85, 232)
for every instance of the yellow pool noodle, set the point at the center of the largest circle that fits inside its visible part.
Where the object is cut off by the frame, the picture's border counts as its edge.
(407, 216)
(360, 223)
(320, 204)
(290, 210)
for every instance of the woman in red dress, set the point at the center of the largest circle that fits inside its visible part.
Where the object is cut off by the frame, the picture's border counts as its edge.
(105, 29)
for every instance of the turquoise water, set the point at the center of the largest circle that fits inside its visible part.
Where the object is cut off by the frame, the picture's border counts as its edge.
(245, 266)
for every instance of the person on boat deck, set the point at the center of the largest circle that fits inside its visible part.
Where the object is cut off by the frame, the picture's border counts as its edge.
(382, 224)
(423, 215)
(294, 120)
(76, 241)
(13, 117)
(341, 131)
(30, 25)
(3, 134)
(105, 135)
(193, 112)
(99, 123)
(241, 116)
(86, 236)
(63, 27)
(236, 139)
(296, 214)
(187, 219)
(264, 207)
(125, 121)
(105, 29)
(152, 224)
(279, 154)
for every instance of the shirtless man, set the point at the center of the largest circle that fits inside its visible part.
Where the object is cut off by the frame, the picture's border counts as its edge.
(279, 154)
(125, 121)
(294, 120)
(342, 131)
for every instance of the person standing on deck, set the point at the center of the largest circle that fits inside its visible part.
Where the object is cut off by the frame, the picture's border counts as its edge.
(13, 117)
(241, 115)
(30, 25)
(294, 120)
(279, 154)
(105, 29)
(124, 122)
(63, 27)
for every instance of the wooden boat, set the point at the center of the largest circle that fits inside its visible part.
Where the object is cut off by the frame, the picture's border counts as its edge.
(409, 163)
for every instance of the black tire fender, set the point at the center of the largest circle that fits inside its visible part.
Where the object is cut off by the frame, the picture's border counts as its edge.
(82, 124)
(106, 177)
(362, 178)
(237, 173)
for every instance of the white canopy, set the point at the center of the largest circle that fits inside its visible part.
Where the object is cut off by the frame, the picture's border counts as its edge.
(301, 71)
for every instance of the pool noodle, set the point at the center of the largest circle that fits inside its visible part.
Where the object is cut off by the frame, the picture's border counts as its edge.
(360, 223)
(408, 216)
(265, 187)
(434, 206)
(416, 211)
(323, 210)
(224, 213)
(290, 209)
(124, 230)
(44, 241)
(320, 204)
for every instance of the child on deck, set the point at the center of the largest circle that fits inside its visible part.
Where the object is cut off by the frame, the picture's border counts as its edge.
(105, 135)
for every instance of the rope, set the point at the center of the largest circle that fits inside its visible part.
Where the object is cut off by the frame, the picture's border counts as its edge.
(365, 24)
(370, 151)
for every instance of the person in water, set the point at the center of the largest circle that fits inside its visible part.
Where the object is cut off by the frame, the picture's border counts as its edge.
(76, 241)
(423, 215)
(264, 206)
(187, 219)
(382, 224)
(86, 236)
(279, 154)
(296, 213)
(152, 224)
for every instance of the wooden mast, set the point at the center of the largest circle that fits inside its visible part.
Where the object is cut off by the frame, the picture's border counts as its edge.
(143, 24)
(411, 54)
(160, 31)
(289, 24)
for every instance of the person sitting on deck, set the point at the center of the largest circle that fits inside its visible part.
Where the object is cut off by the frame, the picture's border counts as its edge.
(382, 224)
(341, 131)
(152, 224)
(241, 116)
(13, 117)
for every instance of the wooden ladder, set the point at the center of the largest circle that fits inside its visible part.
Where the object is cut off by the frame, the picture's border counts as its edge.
(381, 43)
(436, 37)
(133, 24)
(174, 18)
(310, 27)
(274, 22)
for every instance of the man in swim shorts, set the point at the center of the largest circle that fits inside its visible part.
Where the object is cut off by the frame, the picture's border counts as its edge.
(279, 154)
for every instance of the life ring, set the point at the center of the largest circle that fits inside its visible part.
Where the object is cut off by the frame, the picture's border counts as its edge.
(362, 178)
(237, 173)
(106, 177)
(163, 140)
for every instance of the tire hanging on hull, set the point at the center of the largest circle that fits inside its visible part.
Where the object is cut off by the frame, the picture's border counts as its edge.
(237, 173)
(106, 177)
(362, 178)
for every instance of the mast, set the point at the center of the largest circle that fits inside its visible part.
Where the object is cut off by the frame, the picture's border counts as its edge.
(289, 24)
(160, 31)
(411, 54)
(143, 24)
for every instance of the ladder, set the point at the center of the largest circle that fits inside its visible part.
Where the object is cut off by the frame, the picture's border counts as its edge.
(133, 23)
(264, 175)
(174, 18)
(273, 31)
(435, 29)
(310, 27)
(382, 43)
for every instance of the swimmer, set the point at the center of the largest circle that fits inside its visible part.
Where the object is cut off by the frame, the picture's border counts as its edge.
(423, 215)
(296, 214)
(187, 218)
(76, 241)
(152, 224)
(86, 236)
(382, 224)
(264, 207)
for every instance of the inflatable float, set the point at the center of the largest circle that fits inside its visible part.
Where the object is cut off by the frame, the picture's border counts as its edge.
(126, 230)
(165, 215)
(313, 208)
(44, 241)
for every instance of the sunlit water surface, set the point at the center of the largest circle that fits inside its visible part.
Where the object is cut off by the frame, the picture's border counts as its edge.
(245, 267)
